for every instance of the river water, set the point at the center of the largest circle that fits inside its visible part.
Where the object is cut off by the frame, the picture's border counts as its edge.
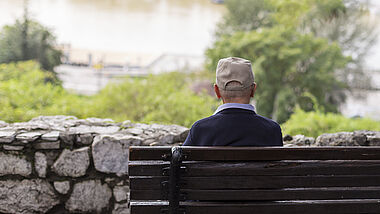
(141, 26)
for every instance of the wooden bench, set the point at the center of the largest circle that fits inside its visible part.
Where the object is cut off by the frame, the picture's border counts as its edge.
(242, 180)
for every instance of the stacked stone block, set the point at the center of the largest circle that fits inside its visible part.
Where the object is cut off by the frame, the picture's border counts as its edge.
(356, 138)
(61, 164)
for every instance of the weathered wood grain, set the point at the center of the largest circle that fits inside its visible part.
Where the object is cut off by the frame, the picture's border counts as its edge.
(260, 153)
(292, 167)
(369, 206)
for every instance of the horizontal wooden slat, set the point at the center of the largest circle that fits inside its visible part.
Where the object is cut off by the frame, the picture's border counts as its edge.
(260, 153)
(154, 194)
(331, 167)
(148, 207)
(266, 195)
(368, 206)
(148, 152)
(259, 182)
(146, 168)
(146, 183)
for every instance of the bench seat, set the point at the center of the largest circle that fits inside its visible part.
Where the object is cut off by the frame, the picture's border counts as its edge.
(261, 180)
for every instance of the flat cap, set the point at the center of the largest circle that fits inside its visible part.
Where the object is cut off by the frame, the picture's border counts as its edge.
(234, 69)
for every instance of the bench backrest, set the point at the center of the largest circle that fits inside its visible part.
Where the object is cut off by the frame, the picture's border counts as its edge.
(196, 180)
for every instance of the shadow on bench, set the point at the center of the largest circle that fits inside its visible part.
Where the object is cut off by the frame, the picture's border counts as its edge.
(242, 180)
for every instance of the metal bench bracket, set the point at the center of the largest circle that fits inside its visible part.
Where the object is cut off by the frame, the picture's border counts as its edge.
(174, 180)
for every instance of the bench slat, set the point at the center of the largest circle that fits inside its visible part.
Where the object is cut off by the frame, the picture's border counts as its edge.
(298, 180)
(368, 206)
(267, 195)
(260, 153)
(331, 167)
(259, 182)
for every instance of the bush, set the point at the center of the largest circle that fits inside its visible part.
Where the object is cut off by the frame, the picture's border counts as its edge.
(316, 123)
(24, 94)
(163, 98)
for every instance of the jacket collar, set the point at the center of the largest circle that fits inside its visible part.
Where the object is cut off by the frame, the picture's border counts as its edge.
(235, 105)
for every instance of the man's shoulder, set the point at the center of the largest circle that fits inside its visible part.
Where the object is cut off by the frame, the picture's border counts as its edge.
(235, 127)
(197, 130)
(204, 121)
(268, 121)
(220, 117)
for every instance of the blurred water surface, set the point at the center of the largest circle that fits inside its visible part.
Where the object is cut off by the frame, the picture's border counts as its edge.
(143, 26)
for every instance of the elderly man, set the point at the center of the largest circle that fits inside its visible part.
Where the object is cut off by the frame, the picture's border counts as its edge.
(235, 123)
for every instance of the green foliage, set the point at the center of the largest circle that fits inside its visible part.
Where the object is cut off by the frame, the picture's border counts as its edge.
(246, 15)
(297, 47)
(350, 24)
(287, 64)
(29, 40)
(315, 123)
(163, 98)
(24, 94)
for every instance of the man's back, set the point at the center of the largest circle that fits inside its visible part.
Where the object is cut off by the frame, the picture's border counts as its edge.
(235, 127)
(235, 123)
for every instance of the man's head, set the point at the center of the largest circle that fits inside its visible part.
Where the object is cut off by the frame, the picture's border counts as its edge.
(234, 80)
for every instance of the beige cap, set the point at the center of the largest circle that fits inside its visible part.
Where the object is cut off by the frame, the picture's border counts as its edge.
(234, 69)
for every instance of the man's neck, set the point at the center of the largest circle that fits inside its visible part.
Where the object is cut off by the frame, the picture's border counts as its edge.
(241, 101)
(234, 106)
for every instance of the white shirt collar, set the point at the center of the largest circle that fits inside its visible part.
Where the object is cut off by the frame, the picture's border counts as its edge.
(235, 105)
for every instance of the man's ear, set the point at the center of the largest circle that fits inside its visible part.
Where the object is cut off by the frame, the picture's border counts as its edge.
(253, 89)
(217, 92)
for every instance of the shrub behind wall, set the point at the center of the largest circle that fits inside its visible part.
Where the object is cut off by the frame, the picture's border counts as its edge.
(165, 98)
(316, 123)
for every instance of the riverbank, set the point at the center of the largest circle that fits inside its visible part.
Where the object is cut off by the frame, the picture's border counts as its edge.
(88, 71)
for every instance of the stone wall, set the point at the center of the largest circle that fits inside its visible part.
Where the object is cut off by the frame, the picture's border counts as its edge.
(356, 138)
(62, 164)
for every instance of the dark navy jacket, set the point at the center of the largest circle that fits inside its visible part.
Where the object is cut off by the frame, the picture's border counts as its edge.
(235, 127)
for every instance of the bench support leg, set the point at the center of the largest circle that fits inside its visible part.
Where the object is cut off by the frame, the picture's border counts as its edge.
(174, 180)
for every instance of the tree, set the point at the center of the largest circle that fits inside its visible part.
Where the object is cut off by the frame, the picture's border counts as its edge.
(29, 40)
(352, 27)
(289, 67)
(322, 31)
(246, 15)
(346, 22)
